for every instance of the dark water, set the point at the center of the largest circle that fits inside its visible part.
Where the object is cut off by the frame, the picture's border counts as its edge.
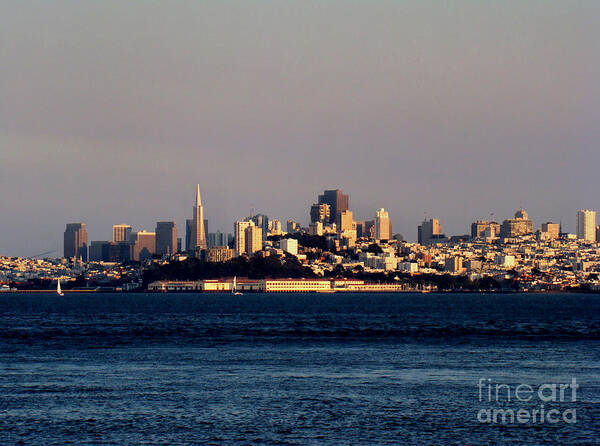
(292, 369)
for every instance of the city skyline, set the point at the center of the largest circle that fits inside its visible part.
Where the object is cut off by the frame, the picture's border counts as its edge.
(457, 111)
(170, 242)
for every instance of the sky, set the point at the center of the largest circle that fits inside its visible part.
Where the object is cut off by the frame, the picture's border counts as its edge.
(111, 112)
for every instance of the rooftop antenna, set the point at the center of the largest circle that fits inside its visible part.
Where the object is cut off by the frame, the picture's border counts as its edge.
(251, 211)
(491, 217)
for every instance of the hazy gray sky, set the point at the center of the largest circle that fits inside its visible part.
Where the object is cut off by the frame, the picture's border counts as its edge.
(111, 112)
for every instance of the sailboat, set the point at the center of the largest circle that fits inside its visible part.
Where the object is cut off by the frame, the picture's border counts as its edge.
(234, 290)
(58, 289)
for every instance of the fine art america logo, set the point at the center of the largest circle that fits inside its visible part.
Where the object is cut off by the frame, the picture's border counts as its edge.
(526, 404)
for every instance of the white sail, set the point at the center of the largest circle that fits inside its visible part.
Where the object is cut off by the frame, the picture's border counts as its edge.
(58, 289)
(234, 287)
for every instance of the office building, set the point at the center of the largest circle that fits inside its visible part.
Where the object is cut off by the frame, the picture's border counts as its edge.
(485, 229)
(429, 230)
(261, 221)
(196, 227)
(292, 227)
(218, 239)
(189, 230)
(239, 229)
(253, 239)
(76, 242)
(275, 227)
(338, 202)
(549, 231)
(515, 227)
(97, 250)
(454, 264)
(586, 225)
(105, 251)
(383, 226)
(315, 228)
(359, 226)
(344, 221)
(290, 246)
(121, 233)
(368, 229)
(320, 212)
(144, 245)
(166, 238)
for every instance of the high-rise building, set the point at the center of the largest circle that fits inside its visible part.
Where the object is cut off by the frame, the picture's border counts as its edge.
(344, 221)
(454, 264)
(383, 229)
(586, 225)
(520, 225)
(315, 228)
(360, 229)
(320, 212)
(121, 233)
(254, 240)
(196, 227)
(598, 233)
(76, 241)
(261, 221)
(105, 251)
(292, 227)
(549, 231)
(275, 227)
(428, 230)
(481, 228)
(97, 249)
(289, 245)
(144, 245)
(338, 202)
(166, 237)
(368, 229)
(218, 239)
(239, 229)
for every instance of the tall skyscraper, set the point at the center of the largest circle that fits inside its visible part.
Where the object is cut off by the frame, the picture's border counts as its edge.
(105, 251)
(218, 238)
(320, 212)
(239, 228)
(195, 228)
(520, 225)
(76, 241)
(586, 225)
(382, 225)
(429, 229)
(166, 237)
(338, 202)
(261, 221)
(144, 245)
(121, 233)
(345, 221)
(254, 239)
(275, 227)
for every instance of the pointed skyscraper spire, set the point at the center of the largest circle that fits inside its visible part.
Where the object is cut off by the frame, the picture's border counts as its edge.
(198, 197)
(196, 228)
